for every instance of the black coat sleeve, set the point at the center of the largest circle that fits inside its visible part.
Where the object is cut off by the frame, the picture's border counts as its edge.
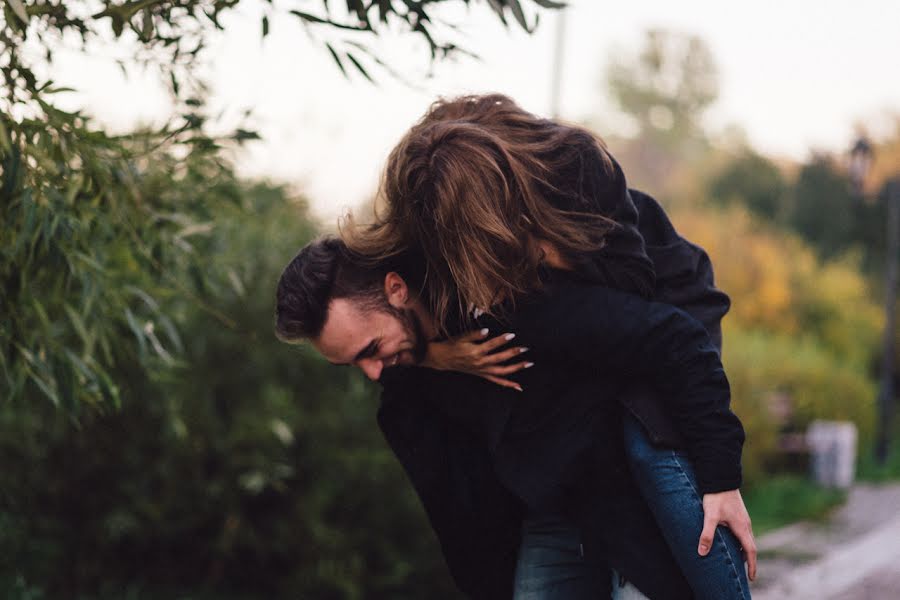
(684, 273)
(621, 335)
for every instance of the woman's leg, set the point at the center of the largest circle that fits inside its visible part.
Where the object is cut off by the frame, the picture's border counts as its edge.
(667, 482)
(551, 563)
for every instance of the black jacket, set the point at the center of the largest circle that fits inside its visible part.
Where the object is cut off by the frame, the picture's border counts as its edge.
(643, 255)
(557, 446)
(476, 518)
(683, 278)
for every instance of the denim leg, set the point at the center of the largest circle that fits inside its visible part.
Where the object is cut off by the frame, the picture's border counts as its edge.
(667, 481)
(551, 564)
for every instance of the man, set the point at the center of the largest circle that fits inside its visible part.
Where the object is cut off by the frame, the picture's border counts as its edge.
(370, 319)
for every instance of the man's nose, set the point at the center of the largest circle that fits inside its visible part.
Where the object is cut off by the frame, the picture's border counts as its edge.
(371, 367)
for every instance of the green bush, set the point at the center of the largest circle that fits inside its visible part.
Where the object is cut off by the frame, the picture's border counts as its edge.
(248, 469)
(820, 385)
(784, 499)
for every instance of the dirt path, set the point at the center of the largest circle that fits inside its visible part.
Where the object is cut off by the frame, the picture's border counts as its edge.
(854, 555)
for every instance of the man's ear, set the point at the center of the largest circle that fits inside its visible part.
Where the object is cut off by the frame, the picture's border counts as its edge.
(395, 290)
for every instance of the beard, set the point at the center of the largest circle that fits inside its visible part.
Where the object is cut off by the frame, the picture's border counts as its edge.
(412, 324)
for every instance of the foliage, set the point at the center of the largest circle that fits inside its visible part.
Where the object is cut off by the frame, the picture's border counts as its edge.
(137, 275)
(777, 284)
(94, 241)
(824, 209)
(818, 384)
(249, 470)
(666, 88)
(171, 34)
(798, 326)
(97, 231)
(784, 499)
(754, 181)
(664, 91)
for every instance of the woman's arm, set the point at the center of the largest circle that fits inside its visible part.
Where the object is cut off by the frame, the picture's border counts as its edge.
(473, 353)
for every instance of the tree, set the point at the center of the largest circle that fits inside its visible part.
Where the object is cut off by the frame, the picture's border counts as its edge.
(754, 181)
(250, 470)
(667, 86)
(664, 90)
(95, 238)
(824, 209)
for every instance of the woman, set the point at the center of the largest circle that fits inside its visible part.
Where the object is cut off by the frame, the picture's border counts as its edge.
(491, 195)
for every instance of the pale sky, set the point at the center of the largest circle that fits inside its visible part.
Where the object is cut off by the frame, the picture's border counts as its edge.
(796, 75)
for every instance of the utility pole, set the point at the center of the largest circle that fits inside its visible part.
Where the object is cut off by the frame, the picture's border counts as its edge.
(886, 395)
(860, 161)
(557, 66)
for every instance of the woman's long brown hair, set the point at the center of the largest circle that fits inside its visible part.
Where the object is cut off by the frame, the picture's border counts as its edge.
(472, 188)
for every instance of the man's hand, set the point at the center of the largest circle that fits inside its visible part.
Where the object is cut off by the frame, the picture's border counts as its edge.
(727, 508)
(474, 354)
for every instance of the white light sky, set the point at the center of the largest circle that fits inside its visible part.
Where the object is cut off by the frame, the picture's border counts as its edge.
(795, 75)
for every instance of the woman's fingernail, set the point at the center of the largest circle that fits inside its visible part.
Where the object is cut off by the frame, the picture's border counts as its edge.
(509, 336)
(528, 365)
(484, 331)
(519, 387)
(523, 350)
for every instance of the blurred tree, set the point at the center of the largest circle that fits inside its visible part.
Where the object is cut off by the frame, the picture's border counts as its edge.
(798, 326)
(248, 470)
(778, 283)
(667, 87)
(824, 209)
(753, 180)
(664, 90)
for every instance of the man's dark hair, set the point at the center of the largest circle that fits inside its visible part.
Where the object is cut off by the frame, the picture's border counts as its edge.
(323, 270)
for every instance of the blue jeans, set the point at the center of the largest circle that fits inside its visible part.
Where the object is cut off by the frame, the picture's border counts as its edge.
(667, 482)
(551, 565)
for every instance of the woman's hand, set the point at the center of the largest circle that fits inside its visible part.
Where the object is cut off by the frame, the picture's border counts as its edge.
(474, 354)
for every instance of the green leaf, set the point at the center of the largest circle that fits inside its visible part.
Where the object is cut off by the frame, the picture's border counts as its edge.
(308, 17)
(498, 7)
(359, 67)
(337, 59)
(519, 15)
(550, 4)
(80, 366)
(19, 9)
(65, 384)
(41, 313)
(89, 261)
(4, 138)
(150, 333)
(137, 331)
(151, 303)
(79, 327)
(171, 332)
(242, 135)
(147, 25)
(57, 90)
(265, 26)
(47, 388)
(108, 389)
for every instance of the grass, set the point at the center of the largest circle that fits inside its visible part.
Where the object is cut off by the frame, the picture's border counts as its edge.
(871, 471)
(785, 499)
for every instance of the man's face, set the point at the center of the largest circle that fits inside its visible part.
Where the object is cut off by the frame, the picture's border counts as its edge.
(371, 338)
